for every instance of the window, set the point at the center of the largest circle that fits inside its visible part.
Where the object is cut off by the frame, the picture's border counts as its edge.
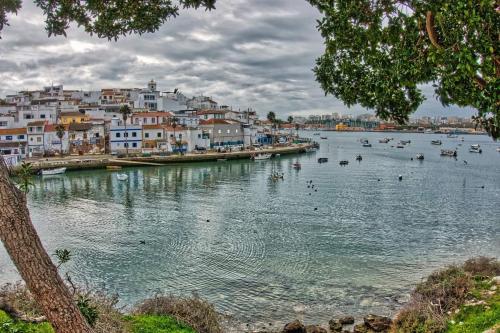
(20, 137)
(146, 135)
(30, 129)
(38, 139)
(3, 123)
(219, 131)
(125, 144)
(42, 116)
(236, 131)
(85, 135)
(228, 131)
(31, 139)
(39, 129)
(158, 135)
(118, 135)
(145, 120)
(134, 144)
(134, 134)
(96, 135)
(153, 120)
(8, 137)
(199, 136)
(125, 134)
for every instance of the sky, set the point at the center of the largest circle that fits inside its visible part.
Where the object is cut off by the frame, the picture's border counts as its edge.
(247, 54)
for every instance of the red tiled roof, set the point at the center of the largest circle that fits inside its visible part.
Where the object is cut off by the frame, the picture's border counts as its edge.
(202, 112)
(148, 127)
(214, 121)
(52, 127)
(37, 123)
(9, 131)
(153, 114)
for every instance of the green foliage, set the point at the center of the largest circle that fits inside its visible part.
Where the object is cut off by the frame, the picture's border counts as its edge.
(271, 116)
(476, 319)
(25, 177)
(7, 325)
(290, 119)
(88, 310)
(379, 53)
(156, 324)
(125, 111)
(63, 256)
(105, 18)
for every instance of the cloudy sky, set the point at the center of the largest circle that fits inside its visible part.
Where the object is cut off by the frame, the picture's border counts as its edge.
(247, 53)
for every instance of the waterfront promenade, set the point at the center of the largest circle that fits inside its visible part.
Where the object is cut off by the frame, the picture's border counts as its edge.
(103, 161)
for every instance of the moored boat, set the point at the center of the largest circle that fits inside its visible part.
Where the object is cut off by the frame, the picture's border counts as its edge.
(420, 156)
(322, 160)
(297, 166)
(311, 149)
(498, 149)
(404, 142)
(448, 152)
(261, 157)
(122, 176)
(50, 172)
(384, 140)
(113, 167)
(367, 144)
(344, 162)
(323, 138)
(359, 158)
(436, 142)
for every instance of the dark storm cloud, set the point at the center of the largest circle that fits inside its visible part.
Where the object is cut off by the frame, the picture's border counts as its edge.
(247, 53)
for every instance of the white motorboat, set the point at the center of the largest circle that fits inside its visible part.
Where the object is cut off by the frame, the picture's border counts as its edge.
(475, 146)
(385, 140)
(261, 157)
(311, 150)
(498, 149)
(50, 172)
(447, 152)
(420, 156)
(122, 176)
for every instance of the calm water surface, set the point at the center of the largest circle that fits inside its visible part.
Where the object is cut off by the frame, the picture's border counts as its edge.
(263, 250)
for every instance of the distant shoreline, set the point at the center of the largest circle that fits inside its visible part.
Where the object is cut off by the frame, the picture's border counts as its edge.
(389, 131)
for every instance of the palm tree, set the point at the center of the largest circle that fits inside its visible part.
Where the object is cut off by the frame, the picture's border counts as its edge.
(174, 125)
(290, 119)
(125, 112)
(271, 116)
(60, 129)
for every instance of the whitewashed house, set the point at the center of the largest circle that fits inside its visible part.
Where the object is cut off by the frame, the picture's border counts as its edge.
(51, 141)
(35, 132)
(119, 138)
(13, 141)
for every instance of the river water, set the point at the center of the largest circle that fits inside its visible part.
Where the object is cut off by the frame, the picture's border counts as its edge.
(275, 251)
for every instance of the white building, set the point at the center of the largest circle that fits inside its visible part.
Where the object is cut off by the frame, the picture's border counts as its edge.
(148, 98)
(37, 113)
(119, 138)
(36, 137)
(13, 141)
(51, 141)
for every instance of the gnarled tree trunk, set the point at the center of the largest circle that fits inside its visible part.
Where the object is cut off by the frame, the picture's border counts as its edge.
(32, 261)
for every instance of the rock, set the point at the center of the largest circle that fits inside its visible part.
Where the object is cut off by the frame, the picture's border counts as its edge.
(335, 325)
(294, 327)
(315, 329)
(347, 320)
(496, 280)
(360, 328)
(378, 323)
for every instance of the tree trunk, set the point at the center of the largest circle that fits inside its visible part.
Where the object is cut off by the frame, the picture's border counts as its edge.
(32, 261)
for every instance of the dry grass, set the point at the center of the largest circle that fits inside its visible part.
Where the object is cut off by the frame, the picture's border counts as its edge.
(482, 266)
(193, 311)
(440, 294)
(18, 297)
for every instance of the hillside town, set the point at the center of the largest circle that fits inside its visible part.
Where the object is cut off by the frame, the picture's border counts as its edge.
(55, 121)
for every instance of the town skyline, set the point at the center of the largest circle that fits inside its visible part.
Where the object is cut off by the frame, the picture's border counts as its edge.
(243, 54)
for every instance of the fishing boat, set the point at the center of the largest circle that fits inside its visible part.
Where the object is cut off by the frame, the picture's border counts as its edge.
(113, 167)
(50, 172)
(420, 156)
(447, 152)
(122, 176)
(359, 158)
(344, 162)
(436, 142)
(261, 157)
(297, 165)
(322, 160)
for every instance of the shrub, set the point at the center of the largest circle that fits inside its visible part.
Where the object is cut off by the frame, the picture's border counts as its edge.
(193, 311)
(419, 316)
(482, 266)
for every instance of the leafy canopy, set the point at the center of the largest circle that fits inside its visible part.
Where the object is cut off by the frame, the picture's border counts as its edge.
(379, 52)
(105, 18)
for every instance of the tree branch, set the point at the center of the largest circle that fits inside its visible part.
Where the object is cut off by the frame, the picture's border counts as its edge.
(431, 31)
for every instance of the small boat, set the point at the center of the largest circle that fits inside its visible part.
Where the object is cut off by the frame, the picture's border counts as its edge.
(359, 158)
(363, 140)
(324, 138)
(436, 142)
(122, 176)
(447, 152)
(475, 146)
(297, 166)
(400, 146)
(475, 150)
(50, 172)
(316, 134)
(420, 156)
(276, 176)
(322, 160)
(222, 160)
(344, 162)
(452, 136)
(384, 140)
(498, 149)
(404, 142)
(367, 144)
(113, 167)
(311, 150)
(261, 157)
